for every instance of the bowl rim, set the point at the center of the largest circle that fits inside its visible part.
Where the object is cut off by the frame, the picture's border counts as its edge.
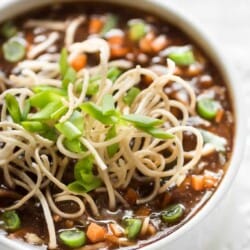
(206, 43)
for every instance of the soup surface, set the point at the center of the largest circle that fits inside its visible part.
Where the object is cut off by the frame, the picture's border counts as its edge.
(116, 128)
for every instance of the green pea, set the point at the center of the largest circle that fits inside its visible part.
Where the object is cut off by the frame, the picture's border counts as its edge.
(73, 238)
(133, 227)
(11, 220)
(207, 108)
(173, 213)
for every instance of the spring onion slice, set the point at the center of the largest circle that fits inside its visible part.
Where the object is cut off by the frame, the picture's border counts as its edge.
(142, 120)
(13, 108)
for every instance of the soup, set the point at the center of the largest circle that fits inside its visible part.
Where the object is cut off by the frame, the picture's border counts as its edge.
(116, 128)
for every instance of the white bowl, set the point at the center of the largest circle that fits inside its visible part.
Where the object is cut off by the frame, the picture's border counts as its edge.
(11, 8)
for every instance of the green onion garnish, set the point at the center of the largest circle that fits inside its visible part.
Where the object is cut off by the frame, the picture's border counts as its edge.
(142, 120)
(13, 108)
(131, 95)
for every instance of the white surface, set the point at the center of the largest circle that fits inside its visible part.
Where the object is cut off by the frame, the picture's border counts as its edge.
(228, 22)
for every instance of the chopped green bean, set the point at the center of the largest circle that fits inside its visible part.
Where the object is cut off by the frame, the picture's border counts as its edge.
(132, 227)
(108, 105)
(182, 56)
(68, 129)
(111, 22)
(13, 108)
(173, 213)
(137, 30)
(207, 108)
(11, 220)
(112, 149)
(73, 238)
(13, 51)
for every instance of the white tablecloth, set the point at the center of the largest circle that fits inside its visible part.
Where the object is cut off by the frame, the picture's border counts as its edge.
(228, 22)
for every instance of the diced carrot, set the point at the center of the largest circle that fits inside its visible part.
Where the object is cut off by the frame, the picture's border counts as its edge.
(131, 196)
(143, 211)
(147, 79)
(193, 70)
(96, 233)
(210, 181)
(116, 40)
(178, 71)
(145, 45)
(118, 51)
(95, 25)
(69, 223)
(112, 238)
(151, 229)
(219, 115)
(159, 43)
(116, 230)
(79, 62)
(166, 200)
(197, 182)
(57, 218)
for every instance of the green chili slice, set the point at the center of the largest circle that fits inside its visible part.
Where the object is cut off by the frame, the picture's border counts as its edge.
(173, 213)
(73, 238)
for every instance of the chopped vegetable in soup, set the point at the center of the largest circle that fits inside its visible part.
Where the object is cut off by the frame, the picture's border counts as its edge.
(115, 129)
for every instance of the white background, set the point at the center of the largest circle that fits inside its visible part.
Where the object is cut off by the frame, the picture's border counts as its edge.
(228, 23)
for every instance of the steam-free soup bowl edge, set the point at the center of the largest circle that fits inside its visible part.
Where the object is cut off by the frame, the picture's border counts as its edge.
(10, 8)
